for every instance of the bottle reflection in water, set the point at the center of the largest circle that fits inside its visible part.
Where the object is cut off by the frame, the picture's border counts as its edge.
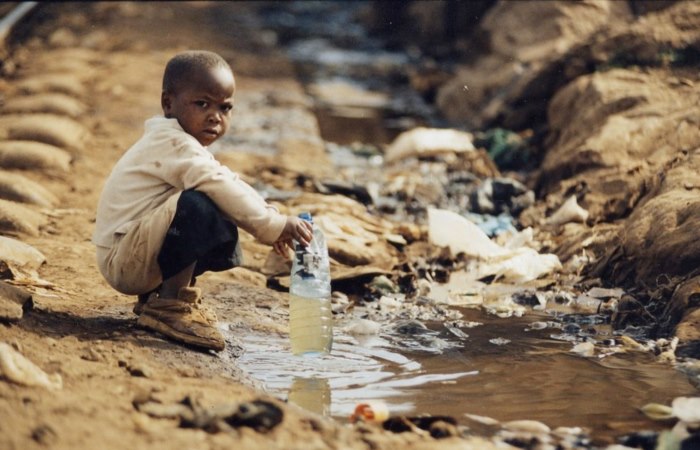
(312, 394)
(310, 314)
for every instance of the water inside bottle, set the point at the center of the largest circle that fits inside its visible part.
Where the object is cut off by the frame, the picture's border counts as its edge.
(310, 325)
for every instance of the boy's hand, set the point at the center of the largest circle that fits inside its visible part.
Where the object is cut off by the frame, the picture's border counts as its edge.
(295, 229)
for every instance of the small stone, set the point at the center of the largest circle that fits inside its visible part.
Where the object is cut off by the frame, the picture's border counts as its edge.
(44, 434)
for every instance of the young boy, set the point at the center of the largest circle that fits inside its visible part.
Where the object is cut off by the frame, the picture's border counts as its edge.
(169, 211)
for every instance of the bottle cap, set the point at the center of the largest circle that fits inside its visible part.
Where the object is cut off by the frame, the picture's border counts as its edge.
(370, 411)
(306, 216)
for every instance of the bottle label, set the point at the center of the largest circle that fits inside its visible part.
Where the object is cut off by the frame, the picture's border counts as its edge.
(309, 261)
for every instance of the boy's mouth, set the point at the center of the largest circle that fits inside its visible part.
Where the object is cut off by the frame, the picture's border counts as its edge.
(211, 132)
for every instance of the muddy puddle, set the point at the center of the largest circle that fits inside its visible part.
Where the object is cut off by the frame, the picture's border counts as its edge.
(503, 369)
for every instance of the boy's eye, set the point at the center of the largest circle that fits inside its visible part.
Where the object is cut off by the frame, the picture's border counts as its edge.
(226, 108)
(201, 103)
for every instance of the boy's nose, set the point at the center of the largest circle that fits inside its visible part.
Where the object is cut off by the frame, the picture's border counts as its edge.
(214, 117)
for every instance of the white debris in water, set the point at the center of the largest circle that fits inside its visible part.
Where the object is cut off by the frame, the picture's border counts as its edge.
(569, 211)
(563, 432)
(537, 326)
(687, 409)
(586, 349)
(387, 303)
(527, 426)
(482, 419)
(499, 341)
(362, 327)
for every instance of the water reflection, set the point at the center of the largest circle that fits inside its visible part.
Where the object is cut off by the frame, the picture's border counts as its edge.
(312, 394)
(355, 371)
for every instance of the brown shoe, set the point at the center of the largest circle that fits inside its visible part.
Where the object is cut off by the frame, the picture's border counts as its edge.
(182, 319)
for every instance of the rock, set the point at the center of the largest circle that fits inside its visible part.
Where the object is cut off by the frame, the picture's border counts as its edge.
(685, 297)
(45, 435)
(13, 302)
(260, 415)
(28, 155)
(688, 330)
(18, 188)
(660, 235)
(16, 368)
(425, 142)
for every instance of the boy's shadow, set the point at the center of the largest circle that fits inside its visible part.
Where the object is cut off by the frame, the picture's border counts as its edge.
(56, 325)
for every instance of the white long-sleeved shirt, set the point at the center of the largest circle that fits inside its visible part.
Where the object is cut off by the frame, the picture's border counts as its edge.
(167, 160)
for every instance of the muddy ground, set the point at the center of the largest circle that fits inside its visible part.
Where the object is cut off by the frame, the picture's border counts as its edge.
(110, 58)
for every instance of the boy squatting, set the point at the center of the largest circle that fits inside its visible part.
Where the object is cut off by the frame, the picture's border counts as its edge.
(169, 211)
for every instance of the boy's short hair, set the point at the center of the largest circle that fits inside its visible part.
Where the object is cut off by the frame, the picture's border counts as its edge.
(183, 65)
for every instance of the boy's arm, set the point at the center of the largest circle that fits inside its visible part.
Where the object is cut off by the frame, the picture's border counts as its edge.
(237, 199)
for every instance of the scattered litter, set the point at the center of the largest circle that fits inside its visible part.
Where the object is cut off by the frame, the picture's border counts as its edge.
(427, 142)
(372, 411)
(527, 426)
(499, 341)
(485, 420)
(586, 349)
(260, 415)
(362, 327)
(16, 368)
(449, 229)
(569, 211)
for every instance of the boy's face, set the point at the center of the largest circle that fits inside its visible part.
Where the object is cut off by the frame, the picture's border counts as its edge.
(202, 105)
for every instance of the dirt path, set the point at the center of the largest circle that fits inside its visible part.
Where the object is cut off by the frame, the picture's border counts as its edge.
(81, 328)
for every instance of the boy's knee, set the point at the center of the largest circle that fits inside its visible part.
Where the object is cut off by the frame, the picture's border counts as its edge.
(197, 202)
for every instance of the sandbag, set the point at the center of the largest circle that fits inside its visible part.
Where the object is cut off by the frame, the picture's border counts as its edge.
(62, 83)
(17, 254)
(51, 103)
(28, 155)
(47, 128)
(17, 219)
(20, 189)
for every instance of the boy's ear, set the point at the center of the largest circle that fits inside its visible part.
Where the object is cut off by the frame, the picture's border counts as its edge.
(166, 102)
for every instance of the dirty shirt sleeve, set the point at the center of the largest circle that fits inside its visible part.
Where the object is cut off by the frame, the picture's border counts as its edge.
(193, 167)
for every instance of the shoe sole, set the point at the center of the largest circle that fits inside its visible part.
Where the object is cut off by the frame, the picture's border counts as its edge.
(149, 322)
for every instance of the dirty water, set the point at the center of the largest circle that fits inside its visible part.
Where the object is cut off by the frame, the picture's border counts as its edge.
(503, 370)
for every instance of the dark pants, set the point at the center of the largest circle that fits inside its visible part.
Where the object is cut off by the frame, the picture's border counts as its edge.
(199, 232)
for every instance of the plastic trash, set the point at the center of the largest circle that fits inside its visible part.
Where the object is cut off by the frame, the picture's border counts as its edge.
(516, 264)
(569, 211)
(370, 411)
(310, 312)
(428, 141)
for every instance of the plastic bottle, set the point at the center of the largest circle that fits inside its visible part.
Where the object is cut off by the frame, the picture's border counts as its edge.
(310, 314)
